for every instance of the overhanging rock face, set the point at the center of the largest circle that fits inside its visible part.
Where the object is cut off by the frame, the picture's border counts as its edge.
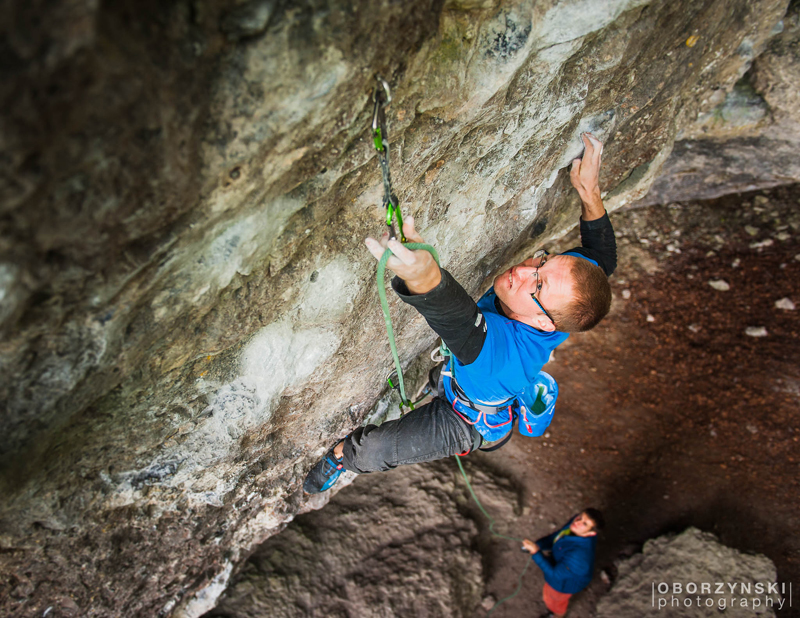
(748, 139)
(189, 314)
(421, 559)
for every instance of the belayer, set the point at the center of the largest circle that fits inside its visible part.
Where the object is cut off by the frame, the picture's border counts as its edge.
(566, 557)
(498, 344)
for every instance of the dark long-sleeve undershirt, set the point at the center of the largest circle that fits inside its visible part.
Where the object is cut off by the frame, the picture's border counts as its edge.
(599, 243)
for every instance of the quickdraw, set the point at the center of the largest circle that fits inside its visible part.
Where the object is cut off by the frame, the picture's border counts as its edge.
(381, 97)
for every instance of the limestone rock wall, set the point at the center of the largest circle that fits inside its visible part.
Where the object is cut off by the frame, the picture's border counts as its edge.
(189, 316)
(421, 559)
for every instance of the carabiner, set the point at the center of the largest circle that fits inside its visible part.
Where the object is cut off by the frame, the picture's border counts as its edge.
(387, 92)
(382, 96)
(393, 212)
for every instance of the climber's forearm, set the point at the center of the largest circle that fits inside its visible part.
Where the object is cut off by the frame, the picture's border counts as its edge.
(592, 207)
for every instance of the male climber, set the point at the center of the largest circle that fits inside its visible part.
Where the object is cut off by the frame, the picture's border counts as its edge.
(498, 344)
(568, 566)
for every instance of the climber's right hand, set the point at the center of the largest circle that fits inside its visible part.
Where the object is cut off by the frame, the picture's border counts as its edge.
(417, 268)
(585, 177)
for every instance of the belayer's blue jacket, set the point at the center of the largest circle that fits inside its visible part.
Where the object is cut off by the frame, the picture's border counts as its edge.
(569, 569)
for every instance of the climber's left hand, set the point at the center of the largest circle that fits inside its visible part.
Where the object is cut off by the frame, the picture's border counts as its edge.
(417, 268)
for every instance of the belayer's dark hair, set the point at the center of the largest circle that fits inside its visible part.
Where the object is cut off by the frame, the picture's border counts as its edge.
(592, 299)
(597, 517)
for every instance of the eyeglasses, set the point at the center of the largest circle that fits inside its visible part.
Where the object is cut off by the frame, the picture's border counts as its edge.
(539, 260)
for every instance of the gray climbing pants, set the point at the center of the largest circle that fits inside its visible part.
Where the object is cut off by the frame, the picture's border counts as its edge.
(433, 431)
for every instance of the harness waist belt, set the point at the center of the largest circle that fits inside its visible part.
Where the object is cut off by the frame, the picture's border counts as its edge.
(492, 422)
(478, 407)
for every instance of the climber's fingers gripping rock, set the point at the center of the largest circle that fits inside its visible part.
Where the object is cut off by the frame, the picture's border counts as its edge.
(417, 268)
(585, 172)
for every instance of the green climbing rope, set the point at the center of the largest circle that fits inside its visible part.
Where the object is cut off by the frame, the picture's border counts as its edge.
(382, 97)
(497, 534)
(513, 594)
(388, 318)
(480, 506)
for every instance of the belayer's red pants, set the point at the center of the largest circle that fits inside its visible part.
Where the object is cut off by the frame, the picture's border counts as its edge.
(557, 602)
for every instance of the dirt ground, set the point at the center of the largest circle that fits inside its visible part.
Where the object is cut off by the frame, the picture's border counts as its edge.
(669, 414)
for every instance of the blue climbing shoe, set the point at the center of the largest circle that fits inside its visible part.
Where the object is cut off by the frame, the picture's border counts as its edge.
(324, 474)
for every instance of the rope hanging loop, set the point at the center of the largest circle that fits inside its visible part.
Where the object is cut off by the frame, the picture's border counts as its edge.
(413, 246)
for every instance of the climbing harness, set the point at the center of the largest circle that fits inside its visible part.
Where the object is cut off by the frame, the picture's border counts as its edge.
(382, 96)
(496, 422)
(458, 400)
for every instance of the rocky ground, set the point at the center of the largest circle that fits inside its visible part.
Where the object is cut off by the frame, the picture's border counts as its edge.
(397, 546)
(680, 409)
(691, 559)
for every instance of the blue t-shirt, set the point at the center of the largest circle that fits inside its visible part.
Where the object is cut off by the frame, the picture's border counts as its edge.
(512, 356)
(506, 370)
